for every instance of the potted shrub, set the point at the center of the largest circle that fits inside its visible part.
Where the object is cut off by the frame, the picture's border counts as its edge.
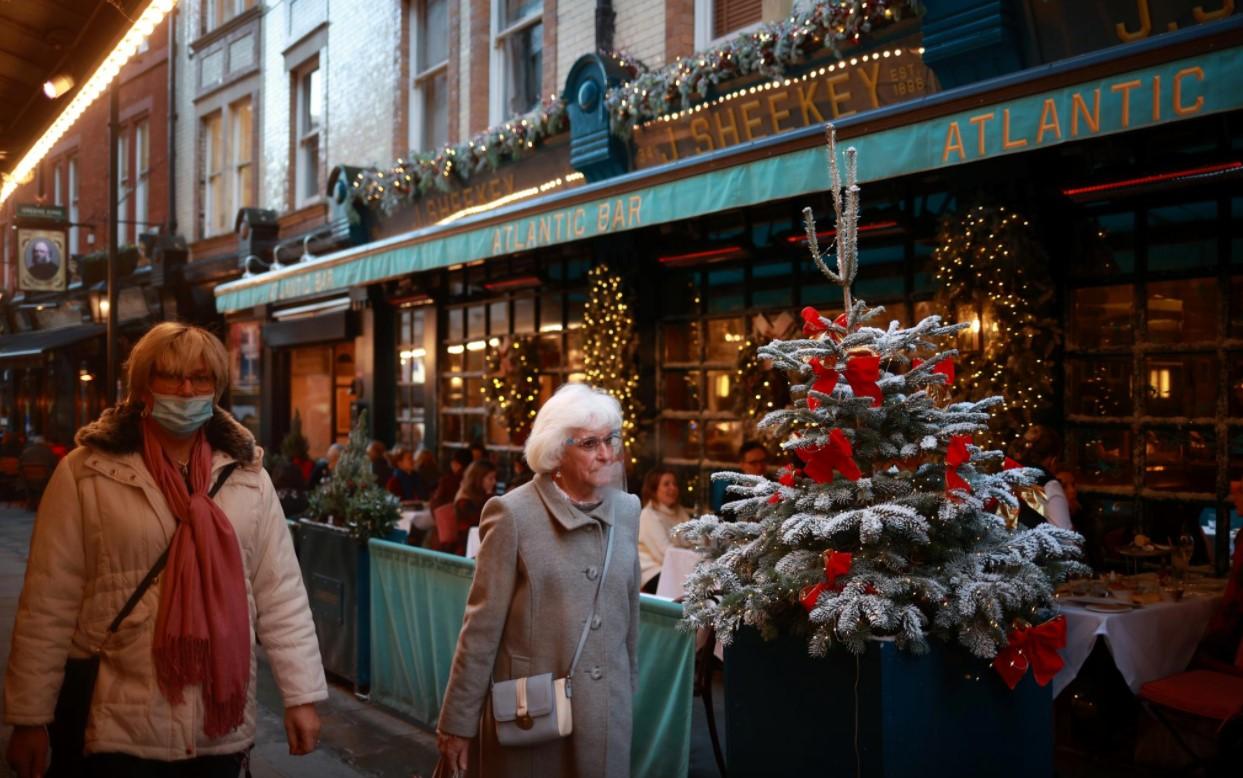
(877, 612)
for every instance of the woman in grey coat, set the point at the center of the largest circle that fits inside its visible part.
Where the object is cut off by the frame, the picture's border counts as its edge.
(543, 548)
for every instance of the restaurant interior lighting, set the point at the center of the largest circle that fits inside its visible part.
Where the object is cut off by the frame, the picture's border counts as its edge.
(58, 85)
(864, 229)
(91, 89)
(697, 257)
(1174, 175)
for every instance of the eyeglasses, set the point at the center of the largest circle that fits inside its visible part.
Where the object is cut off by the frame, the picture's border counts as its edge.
(200, 382)
(590, 445)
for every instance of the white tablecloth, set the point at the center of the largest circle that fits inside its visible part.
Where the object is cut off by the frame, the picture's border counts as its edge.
(678, 564)
(414, 519)
(472, 543)
(1146, 643)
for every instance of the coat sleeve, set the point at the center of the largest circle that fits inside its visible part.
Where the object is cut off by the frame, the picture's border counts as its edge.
(283, 621)
(47, 612)
(632, 635)
(487, 608)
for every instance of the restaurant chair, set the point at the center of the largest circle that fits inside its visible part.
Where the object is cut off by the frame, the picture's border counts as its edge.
(34, 480)
(1212, 688)
(705, 667)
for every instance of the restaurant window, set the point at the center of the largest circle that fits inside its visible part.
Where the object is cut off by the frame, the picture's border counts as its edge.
(142, 175)
(517, 57)
(217, 12)
(1148, 325)
(244, 375)
(718, 20)
(309, 113)
(489, 307)
(321, 381)
(429, 106)
(412, 341)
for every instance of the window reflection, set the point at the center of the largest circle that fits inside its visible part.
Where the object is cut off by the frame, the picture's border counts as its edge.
(1181, 385)
(1099, 386)
(1182, 311)
(1102, 456)
(1101, 316)
(1180, 460)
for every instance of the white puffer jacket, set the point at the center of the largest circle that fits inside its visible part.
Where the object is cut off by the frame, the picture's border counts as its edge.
(101, 526)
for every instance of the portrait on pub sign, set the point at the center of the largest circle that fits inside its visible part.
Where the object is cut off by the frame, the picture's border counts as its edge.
(42, 260)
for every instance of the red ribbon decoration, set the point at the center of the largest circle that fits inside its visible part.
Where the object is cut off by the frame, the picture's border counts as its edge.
(836, 565)
(1035, 647)
(837, 455)
(945, 367)
(787, 476)
(862, 373)
(956, 454)
(1010, 464)
(826, 379)
(813, 324)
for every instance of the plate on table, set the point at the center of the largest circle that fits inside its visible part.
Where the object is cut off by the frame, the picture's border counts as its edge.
(1108, 607)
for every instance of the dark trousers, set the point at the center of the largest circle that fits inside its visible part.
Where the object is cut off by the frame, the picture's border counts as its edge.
(127, 766)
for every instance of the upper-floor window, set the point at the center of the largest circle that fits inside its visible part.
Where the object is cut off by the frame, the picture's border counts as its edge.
(124, 218)
(717, 19)
(517, 57)
(309, 111)
(142, 175)
(226, 177)
(429, 64)
(71, 184)
(58, 192)
(217, 12)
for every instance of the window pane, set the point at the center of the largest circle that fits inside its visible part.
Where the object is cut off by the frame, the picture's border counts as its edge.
(1180, 460)
(516, 10)
(474, 392)
(1182, 236)
(524, 314)
(454, 389)
(474, 360)
(312, 101)
(724, 338)
(1098, 386)
(1101, 316)
(679, 293)
(550, 313)
(524, 70)
(1182, 311)
(451, 428)
(1236, 307)
(498, 315)
(1235, 360)
(550, 352)
(1108, 246)
(681, 390)
(721, 387)
(1181, 386)
(726, 290)
(1102, 457)
(310, 167)
(457, 324)
(681, 343)
(433, 33)
(435, 96)
(771, 285)
(680, 438)
(475, 322)
(574, 349)
(724, 438)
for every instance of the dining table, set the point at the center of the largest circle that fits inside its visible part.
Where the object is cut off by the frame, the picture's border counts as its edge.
(1147, 641)
(674, 570)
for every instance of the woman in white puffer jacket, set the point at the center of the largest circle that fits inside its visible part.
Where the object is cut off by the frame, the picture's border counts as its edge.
(175, 693)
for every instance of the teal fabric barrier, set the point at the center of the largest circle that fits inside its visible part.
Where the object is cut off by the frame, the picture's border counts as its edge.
(417, 601)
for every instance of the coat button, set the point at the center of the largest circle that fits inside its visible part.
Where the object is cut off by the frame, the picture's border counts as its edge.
(592, 573)
(596, 673)
(596, 621)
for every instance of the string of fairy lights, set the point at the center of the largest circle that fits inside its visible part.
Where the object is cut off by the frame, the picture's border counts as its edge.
(991, 273)
(608, 349)
(673, 91)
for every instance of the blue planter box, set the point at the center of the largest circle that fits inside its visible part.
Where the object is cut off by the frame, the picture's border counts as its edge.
(943, 713)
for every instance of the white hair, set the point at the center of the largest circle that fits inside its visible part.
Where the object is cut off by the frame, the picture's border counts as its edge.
(573, 407)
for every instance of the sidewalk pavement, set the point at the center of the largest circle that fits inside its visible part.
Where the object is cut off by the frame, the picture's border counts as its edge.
(357, 740)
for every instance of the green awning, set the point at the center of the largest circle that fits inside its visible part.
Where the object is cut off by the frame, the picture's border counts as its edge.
(1187, 88)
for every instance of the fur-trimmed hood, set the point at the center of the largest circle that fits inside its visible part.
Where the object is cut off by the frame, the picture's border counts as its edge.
(118, 431)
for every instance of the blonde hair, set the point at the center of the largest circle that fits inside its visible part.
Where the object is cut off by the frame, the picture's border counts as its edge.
(573, 407)
(175, 348)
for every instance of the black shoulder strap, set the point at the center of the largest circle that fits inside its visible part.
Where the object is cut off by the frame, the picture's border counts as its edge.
(155, 570)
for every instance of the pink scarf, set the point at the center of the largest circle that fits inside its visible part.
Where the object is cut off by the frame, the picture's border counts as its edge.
(202, 631)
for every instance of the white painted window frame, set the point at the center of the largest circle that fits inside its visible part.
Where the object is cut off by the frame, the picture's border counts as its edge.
(418, 78)
(235, 168)
(142, 173)
(123, 191)
(212, 170)
(71, 184)
(303, 136)
(496, 71)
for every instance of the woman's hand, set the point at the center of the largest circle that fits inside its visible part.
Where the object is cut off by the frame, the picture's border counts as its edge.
(27, 753)
(302, 728)
(453, 750)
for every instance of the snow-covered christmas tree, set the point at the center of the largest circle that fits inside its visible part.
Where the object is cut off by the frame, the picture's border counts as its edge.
(888, 528)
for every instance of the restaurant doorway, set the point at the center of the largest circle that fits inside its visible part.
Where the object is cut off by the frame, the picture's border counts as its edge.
(321, 383)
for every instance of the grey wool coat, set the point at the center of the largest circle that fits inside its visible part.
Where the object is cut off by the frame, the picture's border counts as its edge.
(534, 582)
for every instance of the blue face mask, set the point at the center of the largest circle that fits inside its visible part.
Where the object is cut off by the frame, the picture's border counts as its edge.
(182, 416)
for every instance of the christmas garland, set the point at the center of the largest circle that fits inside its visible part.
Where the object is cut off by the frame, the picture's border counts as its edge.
(511, 388)
(646, 95)
(769, 51)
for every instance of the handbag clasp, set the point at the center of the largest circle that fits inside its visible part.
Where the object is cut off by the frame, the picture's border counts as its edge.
(525, 721)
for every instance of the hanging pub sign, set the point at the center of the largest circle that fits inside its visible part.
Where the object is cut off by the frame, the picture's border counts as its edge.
(41, 243)
(756, 108)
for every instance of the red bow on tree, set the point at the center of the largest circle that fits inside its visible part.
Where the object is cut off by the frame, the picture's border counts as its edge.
(813, 324)
(862, 373)
(787, 479)
(837, 455)
(836, 565)
(1010, 464)
(1036, 647)
(945, 367)
(956, 454)
(826, 379)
